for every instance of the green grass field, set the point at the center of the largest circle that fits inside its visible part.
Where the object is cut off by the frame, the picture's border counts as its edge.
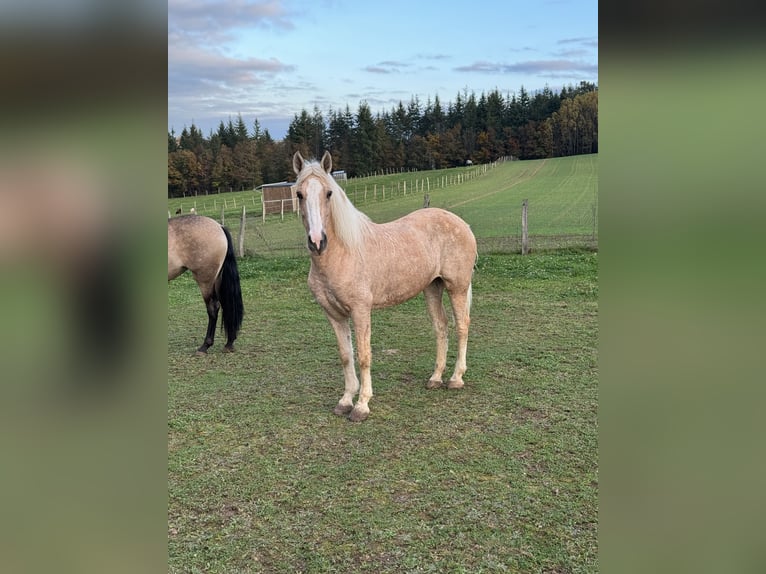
(501, 476)
(562, 194)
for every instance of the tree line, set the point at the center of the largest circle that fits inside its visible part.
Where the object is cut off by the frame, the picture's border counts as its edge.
(409, 137)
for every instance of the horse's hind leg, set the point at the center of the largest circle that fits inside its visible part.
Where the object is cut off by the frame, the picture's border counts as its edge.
(461, 308)
(433, 296)
(212, 305)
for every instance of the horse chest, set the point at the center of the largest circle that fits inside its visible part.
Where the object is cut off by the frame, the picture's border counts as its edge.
(333, 295)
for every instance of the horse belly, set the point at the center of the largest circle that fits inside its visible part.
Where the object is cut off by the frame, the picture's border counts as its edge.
(175, 265)
(400, 284)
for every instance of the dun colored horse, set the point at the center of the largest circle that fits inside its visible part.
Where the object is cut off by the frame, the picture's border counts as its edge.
(203, 246)
(358, 265)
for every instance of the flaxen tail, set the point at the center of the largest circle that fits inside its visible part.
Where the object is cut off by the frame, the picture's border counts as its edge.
(230, 295)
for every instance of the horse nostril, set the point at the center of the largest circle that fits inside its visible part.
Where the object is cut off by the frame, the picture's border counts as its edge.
(321, 247)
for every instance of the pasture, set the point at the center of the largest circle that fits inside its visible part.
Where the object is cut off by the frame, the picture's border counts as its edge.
(500, 476)
(562, 194)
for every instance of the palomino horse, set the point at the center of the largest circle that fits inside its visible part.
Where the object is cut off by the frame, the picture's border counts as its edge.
(204, 246)
(358, 265)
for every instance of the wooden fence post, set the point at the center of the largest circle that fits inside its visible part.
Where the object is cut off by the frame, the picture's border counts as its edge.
(222, 211)
(524, 231)
(593, 236)
(242, 234)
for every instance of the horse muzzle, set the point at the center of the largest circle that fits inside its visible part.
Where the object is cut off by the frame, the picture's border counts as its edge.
(318, 249)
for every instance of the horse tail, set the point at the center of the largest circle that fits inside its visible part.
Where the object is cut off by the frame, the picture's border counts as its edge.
(230, 295)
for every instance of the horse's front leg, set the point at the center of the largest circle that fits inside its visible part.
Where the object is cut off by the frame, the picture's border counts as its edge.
(364, 353)
(346, 351)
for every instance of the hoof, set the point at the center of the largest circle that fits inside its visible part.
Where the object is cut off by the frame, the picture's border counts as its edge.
(228, 349)
(342, 410)
(455, 385)
(357, 416)
(433, 384)
(201, 353)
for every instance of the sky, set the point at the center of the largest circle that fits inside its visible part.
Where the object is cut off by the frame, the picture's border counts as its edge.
(271, 59)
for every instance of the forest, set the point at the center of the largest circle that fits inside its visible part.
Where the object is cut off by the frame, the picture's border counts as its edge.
(410, 137)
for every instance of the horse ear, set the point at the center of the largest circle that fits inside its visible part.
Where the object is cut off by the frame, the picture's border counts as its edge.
(327, 161)
(297, 162)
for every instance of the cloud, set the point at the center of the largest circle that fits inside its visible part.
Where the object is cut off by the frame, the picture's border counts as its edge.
(586, 42)
(570, 61)
(573, 53)
(433, 57)
(573, 40)
(536, 67)
(214, 19)
(198, 34)
(206, 75)
(577, 47)
(191, 66)
(386, 67)
(394, 64)
(376, 70)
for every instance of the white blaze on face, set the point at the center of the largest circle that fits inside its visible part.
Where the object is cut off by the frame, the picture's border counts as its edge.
(314, 195)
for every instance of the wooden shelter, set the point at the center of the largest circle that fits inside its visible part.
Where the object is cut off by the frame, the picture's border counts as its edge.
(278, 198)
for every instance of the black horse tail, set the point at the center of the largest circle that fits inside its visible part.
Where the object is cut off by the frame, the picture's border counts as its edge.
(230, 295)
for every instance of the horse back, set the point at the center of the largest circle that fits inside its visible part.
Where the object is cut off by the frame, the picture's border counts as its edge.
(196, 243)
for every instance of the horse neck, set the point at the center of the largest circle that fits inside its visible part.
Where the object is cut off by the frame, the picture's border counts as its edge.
(336, 252)
(349, 226)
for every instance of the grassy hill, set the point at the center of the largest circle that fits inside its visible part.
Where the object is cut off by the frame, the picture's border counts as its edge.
(562, 195)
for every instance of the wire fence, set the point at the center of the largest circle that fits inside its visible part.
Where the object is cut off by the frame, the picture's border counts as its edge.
(287, 237)
(272, 228)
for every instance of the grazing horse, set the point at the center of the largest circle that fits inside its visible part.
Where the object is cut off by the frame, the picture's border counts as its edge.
(204, 246)
(358, 265)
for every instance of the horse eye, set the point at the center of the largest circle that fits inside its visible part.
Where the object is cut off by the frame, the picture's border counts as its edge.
(299, 194)
(329, 193)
